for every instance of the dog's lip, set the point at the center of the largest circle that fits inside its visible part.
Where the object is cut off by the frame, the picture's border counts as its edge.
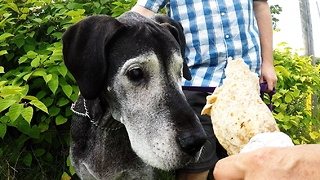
(179, 161)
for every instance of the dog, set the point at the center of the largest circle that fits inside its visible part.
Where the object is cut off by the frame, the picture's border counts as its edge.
(131, 117)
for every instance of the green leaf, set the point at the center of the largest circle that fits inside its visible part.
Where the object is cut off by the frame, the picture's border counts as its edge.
(11, 90)
(296, 92)
(62, 101)
(47, 78)
(3, 130)
(30, 98)
(103, 1)
(47, 136)
(1, 70)
(67, 89)
(5, 103)
(38, 20)
(5, 36)
(22, 59)
(40, 105)
(31, 34)
(27, 114)
(23, 16)
(54, 111)
(75, 20)
(39, 72)
(63, 70)
(35, 62)
(61, 120)
(282, 70)
(24, 10)
(39, 152)
(19, 42)
(28, 47)
(50, 29)
(3, 52)
(47, 101)
(314, 135)
(41, 94)
(43, 126)
(78, 12)
(288, 98)
(14, 7)
(53, 83)
(2, 83)
(15, 111)
(34, 132)
(27, 160)
(72, 171)
(65, 176)
(74, 6)
(31, 54)
(58, 35)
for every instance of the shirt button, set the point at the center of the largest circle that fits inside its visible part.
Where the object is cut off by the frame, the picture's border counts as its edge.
(227, 36)
(222, 14)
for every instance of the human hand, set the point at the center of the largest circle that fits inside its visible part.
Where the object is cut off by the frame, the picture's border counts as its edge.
(294, 163)
(268, 74)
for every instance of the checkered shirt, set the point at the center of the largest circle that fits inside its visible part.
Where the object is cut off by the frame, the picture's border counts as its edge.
(215, 30)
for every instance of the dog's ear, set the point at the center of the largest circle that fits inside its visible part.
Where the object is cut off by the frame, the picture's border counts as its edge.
(84, 46)
(177, 31)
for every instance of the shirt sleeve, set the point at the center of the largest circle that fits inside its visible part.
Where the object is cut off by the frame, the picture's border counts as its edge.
(153, 5)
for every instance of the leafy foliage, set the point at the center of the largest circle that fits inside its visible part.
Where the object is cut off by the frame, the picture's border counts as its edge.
(275, 10)
(36, 90)
(297, 80)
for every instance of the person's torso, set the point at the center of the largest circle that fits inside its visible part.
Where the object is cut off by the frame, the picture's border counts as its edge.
(216, 30)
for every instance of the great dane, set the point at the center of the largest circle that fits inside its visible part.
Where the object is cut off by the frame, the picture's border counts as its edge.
(132, 116)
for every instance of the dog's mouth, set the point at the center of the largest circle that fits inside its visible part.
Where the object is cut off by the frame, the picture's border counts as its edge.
(166, 153)
(175, 162)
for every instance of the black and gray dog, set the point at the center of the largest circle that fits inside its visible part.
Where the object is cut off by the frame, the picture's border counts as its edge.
(131, 117)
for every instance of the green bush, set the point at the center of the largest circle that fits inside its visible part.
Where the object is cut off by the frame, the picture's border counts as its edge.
(297, 80)
(36, 90)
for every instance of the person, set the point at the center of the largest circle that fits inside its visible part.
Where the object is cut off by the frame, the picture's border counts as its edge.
(295, 162)
(216, 30)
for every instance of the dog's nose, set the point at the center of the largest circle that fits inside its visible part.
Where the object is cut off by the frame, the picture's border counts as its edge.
(192, 143)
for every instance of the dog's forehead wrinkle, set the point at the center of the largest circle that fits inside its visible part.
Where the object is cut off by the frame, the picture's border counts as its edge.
(149, 58)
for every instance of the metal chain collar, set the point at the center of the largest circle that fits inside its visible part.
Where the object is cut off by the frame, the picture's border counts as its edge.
(111, 126)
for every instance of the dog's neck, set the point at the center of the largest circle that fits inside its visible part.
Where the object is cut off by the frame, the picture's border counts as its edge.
(101, 120)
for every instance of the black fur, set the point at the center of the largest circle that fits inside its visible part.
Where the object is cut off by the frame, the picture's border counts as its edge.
(114, 103)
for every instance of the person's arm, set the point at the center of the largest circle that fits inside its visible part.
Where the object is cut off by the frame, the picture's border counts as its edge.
(142, 10)
(264, 21)
(296, 162)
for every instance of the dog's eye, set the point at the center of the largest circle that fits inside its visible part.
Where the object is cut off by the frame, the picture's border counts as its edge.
(135, 74)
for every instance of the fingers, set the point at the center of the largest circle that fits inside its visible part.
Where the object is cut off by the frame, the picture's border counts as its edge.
(268, 75)
(229, 169)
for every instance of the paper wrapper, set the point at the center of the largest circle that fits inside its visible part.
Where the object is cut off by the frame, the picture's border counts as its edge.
(267, 139)
(236, 109)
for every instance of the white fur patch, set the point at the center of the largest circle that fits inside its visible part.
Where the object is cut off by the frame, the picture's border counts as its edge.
(144, 112)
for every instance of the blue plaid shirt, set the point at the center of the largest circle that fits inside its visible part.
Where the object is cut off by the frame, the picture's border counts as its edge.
(215, 30)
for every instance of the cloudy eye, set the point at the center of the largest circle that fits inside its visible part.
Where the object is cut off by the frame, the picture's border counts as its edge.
(135, 74)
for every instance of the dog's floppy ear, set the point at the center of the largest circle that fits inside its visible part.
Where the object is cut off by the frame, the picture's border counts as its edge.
(177, 31)
(84, 46)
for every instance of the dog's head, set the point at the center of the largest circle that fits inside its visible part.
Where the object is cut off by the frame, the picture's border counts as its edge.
(136, 65)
